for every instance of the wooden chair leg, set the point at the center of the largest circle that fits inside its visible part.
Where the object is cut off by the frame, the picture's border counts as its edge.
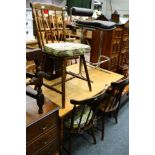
(40, 102)
(61, 135)
(93, 135)
(69, 145)
(86, 70)
(115, 115)
(102, 136)
(63, 82)
(80, 65)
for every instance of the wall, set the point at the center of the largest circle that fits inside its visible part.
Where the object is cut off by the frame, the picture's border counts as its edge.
(56, 2)
(122, 6)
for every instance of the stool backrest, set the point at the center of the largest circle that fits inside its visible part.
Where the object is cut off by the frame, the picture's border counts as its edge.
(49, 23)
(81, 12)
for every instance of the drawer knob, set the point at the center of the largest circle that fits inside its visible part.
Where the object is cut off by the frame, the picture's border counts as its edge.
(43, 128)
(44, 142)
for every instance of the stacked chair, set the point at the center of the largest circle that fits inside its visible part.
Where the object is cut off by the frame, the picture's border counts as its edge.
(83, 117)
(111, 102)
(51, 36)
(88, 112)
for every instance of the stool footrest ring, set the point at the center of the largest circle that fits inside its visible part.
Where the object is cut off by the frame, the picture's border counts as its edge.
(97, 64)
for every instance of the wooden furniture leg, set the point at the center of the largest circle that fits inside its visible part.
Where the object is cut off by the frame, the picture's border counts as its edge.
(37, 81)
(86, 71)
(63, 82)
(61, 135)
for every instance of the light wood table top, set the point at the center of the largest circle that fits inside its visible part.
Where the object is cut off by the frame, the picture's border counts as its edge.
(78, 89)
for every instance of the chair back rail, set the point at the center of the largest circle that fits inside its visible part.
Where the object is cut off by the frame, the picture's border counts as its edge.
(89, 106)
(113, 95)
(49, 22)
(111, 102)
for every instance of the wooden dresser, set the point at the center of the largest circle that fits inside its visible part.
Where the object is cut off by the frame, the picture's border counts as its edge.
(42, 130)
(115, 45)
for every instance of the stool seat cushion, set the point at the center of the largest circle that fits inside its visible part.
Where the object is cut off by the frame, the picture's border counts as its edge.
(99, 24)
(66, 49)
(77, 118)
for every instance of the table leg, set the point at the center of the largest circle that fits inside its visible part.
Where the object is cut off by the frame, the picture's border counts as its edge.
(61, 135)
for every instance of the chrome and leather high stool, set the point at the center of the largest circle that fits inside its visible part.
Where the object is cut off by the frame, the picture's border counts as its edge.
(80, 12)
(93, 25)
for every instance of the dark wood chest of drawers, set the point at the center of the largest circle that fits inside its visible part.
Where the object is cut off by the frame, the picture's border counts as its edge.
(42, 130)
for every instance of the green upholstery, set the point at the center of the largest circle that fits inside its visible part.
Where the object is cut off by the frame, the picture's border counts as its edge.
(66, 49)
(77, 117)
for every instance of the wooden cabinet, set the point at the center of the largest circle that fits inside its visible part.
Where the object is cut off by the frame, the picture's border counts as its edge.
(115, 45)
(42, 130)
(124, 55)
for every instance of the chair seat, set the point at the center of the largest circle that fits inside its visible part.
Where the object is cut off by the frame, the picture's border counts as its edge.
(99, 24)
(77, 118)
(66, 49)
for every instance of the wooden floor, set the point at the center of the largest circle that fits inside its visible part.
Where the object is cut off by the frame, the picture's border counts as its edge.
(78, 89)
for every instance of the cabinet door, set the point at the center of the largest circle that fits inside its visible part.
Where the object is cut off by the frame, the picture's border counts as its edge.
(124, 55)
(116, 46)
(118, 32)
(114, 63)
(124, 58)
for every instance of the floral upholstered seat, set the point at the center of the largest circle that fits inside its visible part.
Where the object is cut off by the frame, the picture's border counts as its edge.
(77, 117)
(66, 49)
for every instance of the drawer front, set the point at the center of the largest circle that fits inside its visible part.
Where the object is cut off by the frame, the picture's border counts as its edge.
(116, 46)
(41, 126)
(118, 33)
(42, 141)
(51, 149)
(126, 31)
(125, 43)
(114, 62)
(124, 58)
